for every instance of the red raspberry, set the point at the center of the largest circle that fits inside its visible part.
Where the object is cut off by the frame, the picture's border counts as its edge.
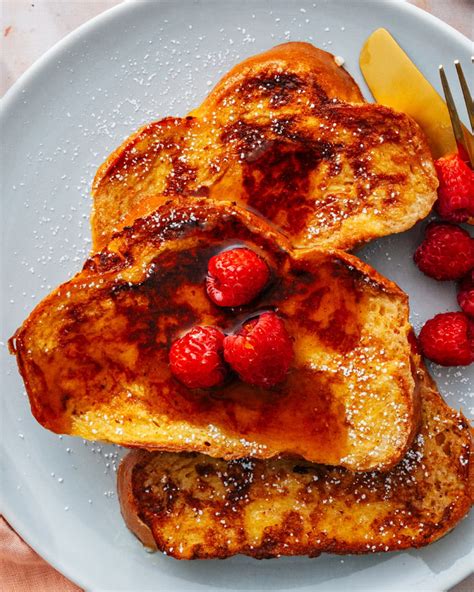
(466, 295)
(456, 189)
(236, 277)
(196, 359)
(262, 352)
(447, 253)
(448, 339)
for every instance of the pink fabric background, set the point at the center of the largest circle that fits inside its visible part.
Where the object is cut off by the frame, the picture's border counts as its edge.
(21, 569)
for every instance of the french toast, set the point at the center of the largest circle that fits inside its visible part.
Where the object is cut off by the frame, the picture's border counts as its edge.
(94, 353)
(287, 134)
(191, 506)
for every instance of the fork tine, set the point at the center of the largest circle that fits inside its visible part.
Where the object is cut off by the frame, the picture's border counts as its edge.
(466, 93)
(455, 121)
(453, 114)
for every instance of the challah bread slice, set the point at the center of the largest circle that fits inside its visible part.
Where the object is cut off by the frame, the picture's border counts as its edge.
(94, 354)
(191, 506)
(287, 134)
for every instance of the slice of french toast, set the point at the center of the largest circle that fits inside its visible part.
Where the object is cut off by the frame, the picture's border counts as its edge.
(94, 353)
(287, 134)
(191, 506)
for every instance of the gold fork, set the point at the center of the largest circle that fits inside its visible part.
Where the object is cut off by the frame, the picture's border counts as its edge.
(464, 138)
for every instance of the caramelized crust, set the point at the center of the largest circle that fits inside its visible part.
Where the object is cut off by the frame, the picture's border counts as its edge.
(195, 507)
(286, 134)
(94, 354)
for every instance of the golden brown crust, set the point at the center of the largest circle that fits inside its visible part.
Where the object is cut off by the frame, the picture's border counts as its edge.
(287, 134)
(306, 60)
(196, 507)
(128, 503)
(94, 354)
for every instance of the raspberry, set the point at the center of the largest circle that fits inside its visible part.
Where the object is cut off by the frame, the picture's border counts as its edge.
(448, 339)
(196, 359)
(262, 352)
(236, 277)
(456, 189)
(466, 295)
(447, 253)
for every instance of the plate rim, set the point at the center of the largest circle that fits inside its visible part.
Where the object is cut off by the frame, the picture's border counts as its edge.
(444, 581)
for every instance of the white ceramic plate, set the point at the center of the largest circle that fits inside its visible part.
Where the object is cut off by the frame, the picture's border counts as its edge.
(137, 62)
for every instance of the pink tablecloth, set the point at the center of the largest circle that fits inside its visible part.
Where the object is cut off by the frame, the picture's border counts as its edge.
(22, 570)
